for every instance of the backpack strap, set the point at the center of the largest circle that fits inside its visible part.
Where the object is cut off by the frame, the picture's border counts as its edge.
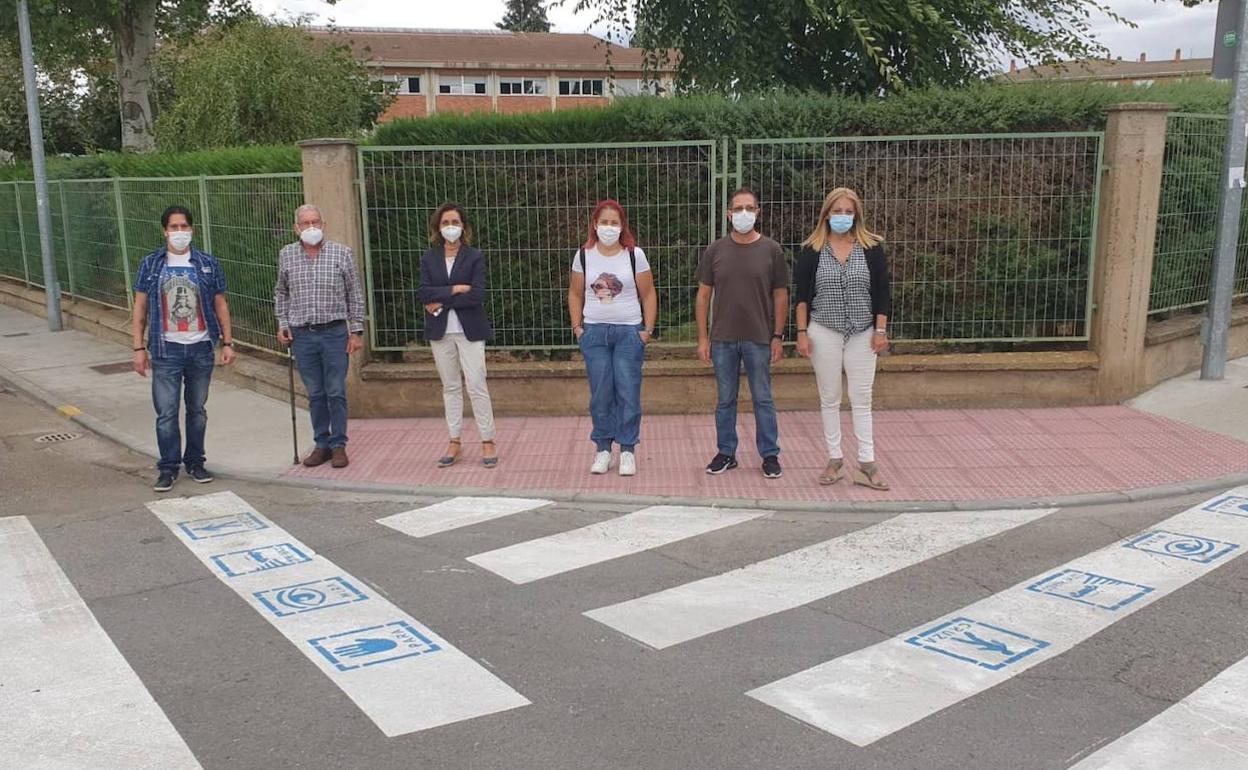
(580, 255)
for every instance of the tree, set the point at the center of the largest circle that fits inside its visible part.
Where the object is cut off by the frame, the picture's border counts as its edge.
(525, 16)
(77, 33)
(849, 46)
(257, 82)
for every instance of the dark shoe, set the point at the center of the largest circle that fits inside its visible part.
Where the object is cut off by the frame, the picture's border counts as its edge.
(489, 454)
(200, 474)
(318, 456)
(164, 482)
(721, 463)
(771, 467)
(339, 457)
(452, 454)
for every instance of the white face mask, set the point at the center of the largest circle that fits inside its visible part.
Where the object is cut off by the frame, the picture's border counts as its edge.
(312, 236)
(451, 233)
(743, 221)
(180, 240)
(608, 235)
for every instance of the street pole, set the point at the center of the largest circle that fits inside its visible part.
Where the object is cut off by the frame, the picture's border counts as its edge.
(1218, 321)
(52, 288)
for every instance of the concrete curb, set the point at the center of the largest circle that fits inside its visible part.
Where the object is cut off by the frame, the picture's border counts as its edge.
(1161, 492)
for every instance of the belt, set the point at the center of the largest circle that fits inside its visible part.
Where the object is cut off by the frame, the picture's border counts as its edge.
(321, 327)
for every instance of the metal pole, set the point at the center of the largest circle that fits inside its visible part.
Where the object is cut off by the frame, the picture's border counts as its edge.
(294, 425)
(51, 288)
(1217, 323)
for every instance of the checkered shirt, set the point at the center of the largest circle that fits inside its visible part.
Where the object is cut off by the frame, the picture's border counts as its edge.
(843, 292)
(318, 291)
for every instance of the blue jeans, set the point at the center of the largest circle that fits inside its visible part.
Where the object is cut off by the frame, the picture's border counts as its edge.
(728, 358)
(322, 360)
(183, 373)
(613, 355)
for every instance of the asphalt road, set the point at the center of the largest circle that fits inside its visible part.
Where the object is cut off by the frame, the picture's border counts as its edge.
(242, 693)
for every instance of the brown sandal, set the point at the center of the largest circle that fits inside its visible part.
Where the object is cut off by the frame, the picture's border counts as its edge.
(834, 472)
(868, 475)
(489, 461)
(452, 454)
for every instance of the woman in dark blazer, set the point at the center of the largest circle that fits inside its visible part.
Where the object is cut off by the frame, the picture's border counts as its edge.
(842, 305)
(452, 288)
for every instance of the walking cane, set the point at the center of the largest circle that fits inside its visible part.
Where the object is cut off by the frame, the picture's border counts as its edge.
(294, 429)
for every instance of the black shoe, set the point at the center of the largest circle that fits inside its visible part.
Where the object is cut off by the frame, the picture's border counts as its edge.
(165, 482)
(200, 474)
(721, 463)
(771, 467)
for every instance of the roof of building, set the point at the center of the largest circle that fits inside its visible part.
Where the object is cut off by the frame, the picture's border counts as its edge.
(480, 49)
(1111, 69)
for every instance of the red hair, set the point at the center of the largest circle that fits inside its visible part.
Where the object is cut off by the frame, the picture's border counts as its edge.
(627, 239)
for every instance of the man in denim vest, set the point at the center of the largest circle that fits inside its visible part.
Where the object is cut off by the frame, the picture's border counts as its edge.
(179, 295)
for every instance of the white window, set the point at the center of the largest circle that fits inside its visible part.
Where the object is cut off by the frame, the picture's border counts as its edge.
(580, 87)
(461, 84)
(636, 87)
(508, 86)
(1142, 83)
(409, 84)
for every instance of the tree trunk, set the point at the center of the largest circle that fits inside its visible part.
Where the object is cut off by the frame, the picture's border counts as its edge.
(134, 39)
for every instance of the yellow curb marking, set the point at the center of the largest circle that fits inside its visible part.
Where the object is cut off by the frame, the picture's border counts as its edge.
(69, 410)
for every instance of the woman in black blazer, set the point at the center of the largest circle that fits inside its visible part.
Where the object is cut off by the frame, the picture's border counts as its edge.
(452, 288)
(842, 304)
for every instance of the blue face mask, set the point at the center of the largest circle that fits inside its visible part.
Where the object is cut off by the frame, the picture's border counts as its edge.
(840, 223)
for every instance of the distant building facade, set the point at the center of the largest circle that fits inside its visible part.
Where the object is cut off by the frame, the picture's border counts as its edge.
(466, 71)
(1114, 72)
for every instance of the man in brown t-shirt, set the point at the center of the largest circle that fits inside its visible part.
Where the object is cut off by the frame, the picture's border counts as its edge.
(743, 283)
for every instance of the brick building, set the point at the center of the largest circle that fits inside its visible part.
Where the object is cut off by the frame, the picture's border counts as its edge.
(463, 71)
(1114, 72)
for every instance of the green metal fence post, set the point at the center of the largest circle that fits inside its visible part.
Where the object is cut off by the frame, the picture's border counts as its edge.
(69, 257)
(121, 237)
(21, 230)
(205, 214)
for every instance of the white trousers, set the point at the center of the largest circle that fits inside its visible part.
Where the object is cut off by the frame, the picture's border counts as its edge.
(831, 354)
(460, 361)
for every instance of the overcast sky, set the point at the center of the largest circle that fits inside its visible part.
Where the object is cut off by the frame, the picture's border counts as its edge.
(1163, 25)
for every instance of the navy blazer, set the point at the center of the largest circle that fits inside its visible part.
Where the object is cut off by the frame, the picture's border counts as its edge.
(435, 286)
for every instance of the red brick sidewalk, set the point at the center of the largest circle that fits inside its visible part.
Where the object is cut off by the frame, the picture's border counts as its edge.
(965, 454)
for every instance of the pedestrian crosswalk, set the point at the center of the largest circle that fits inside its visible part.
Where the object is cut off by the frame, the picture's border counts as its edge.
(385, 660)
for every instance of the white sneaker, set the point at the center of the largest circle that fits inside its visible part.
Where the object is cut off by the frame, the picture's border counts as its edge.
(602, 463)
(628, 464)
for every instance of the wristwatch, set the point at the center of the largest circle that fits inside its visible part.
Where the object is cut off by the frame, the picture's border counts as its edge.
(778, 337)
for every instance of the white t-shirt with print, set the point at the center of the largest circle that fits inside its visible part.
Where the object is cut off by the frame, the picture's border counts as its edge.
(181, 316)
(610, 289)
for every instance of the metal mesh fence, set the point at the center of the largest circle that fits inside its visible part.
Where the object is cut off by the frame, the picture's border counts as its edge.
(102, 229)
(529, 207)
(988, 237)
(1187, 217)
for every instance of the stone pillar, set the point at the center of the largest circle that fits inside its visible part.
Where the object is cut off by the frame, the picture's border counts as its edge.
(1135, 142)
(329, 176)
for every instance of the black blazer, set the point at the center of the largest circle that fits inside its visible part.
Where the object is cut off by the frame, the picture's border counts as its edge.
(435, 286)
(881, 291)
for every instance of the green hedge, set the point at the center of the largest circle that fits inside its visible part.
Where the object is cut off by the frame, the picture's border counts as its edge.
(979, 109)
(224, 162)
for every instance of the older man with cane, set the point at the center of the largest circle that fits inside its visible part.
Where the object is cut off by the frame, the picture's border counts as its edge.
(320, 314)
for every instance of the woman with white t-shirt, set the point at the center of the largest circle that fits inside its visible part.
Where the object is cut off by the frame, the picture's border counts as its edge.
(613, 313)
(452, 288)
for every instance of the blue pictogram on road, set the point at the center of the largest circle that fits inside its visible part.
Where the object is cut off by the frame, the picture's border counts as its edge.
(309, 597)
(370, 646)
(1094, 590)
(1190, 547)
(988, 646)
(1235, 505)
(259, 559)
(219, 526)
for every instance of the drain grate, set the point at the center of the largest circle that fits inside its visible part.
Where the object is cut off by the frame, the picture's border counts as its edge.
(56, 438)
(118, 368)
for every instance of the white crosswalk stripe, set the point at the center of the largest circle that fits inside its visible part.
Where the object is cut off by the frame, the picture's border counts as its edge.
(397, 671)
(1206, 729)
(869, 694)
(458, 512)
(67, 696)
(622, 536)
(799, 577)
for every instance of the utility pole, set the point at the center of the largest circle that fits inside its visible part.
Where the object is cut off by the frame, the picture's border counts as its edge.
(1218, 321)
(52, 287)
